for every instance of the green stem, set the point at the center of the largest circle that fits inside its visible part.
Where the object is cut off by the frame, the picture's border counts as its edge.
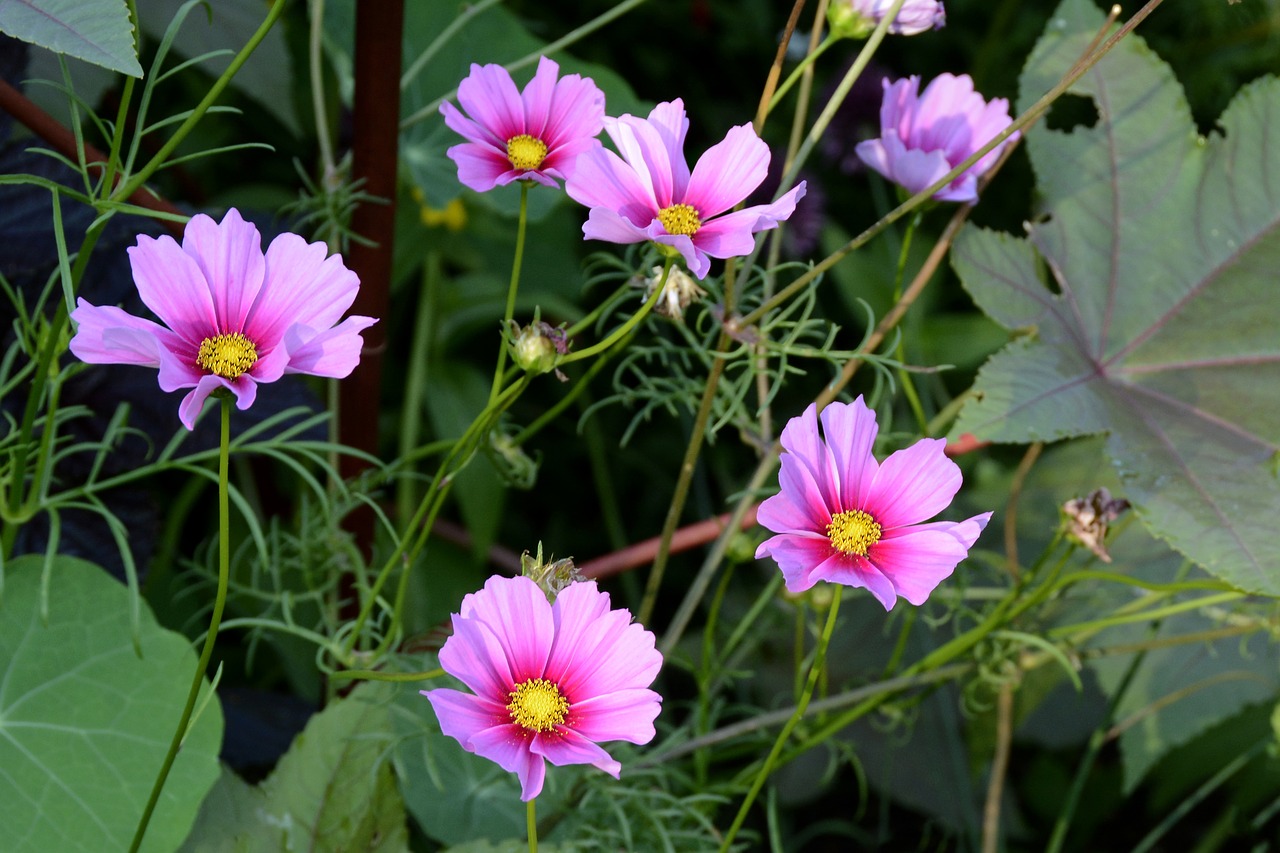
(799, 70)
(521, 227)
(224, 574)
(908, 388)
(531, 822)
(129, 187)
(819, 658)
(632, 321)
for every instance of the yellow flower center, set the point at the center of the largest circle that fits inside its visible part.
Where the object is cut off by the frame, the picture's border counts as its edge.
(538, 705)
(853, 532)
(680, 219)
(227, 355)
(526, 152)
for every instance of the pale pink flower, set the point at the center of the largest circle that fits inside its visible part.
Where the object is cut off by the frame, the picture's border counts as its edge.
(235, 317)
(534, 135)
(549, 680)
(649, 193)
(845, 518)
(857, 18)
(925, 135)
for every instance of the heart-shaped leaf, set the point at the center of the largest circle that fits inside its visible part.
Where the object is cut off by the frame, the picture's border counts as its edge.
(97, 31)
(1148, 287)
(85, 722)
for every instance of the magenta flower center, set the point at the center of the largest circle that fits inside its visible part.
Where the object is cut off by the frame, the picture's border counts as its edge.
(537, 705)
(680, 220)
(526, 152)
(227, 355)
(853, 532)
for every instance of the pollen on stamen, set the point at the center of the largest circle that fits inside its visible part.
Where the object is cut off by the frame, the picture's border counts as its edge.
(537, 705)
(853, 532)
(227, 355)
(526, 152)
(680, 220)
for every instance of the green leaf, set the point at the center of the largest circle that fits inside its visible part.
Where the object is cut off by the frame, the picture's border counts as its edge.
(97, 31)
(332, 792)
(1159, 326)
(85, 723)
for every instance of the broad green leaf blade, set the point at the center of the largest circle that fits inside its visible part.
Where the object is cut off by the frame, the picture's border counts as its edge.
(332, 792)
(1159, 325)
(85, 723)
(97, 31)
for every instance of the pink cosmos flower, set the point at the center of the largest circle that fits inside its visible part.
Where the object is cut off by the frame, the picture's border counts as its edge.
(649, 193)
(924, 136)
(533, 135)
(235, 317)
(857, 18)
(842, 517)
(549, 680)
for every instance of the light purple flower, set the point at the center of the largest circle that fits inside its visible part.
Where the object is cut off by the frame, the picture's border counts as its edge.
(845, 518)
(924, 136)
(548, 681)
(857, 18)
(235, 317)
(649, 193)
(533, 135)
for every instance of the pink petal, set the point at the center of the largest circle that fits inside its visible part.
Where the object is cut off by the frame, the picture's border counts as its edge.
(304, 284)
(598, 650)
(850, 430)
(731, 235)
(490, 97)
(172, 285)
(108, 335)
(727, 172)
(230, 257)
(695, 259)
(799, 505)
(517, 614)
(470, 130)
(602, 180)
(508, 747)
(332, 352)
(537, 97)
(562, 160)
(474, 656)
(800, 438)
(797, 556)
(916, 559)
(621, 715)
(576, 113)
(462, 715)
(480, 168)
(605, 224)
(641, 149)
(858, 572)
(192, 404)
(913, 484)
(566, 746)
(671, 123)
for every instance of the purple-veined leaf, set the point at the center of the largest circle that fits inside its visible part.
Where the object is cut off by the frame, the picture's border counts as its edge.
(97, 31)
(1150, 293)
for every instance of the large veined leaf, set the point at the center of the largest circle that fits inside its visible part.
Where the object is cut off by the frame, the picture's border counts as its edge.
(85, 722)
(332, 792)
(1149, 292)
(97, 31)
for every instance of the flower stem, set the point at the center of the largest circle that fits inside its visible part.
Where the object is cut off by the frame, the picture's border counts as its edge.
(632, 321)
(908, 389)
(224, 573)
(819, 659)
(531, 821)
(521, 227)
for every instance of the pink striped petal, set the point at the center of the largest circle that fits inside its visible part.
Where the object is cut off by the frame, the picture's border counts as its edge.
(490, 97)
(919, 558)
(565, 746)
(728, 172)
(851, 431)
(328, 352)
(172, 285)
(622, 715)
(305, 285)
(229, 255)
(517, 614)
(508, 747)
(913, 484)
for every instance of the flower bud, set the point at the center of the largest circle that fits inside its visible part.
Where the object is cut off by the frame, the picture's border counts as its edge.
(857, 18)
(537, 347)
(553, 576)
